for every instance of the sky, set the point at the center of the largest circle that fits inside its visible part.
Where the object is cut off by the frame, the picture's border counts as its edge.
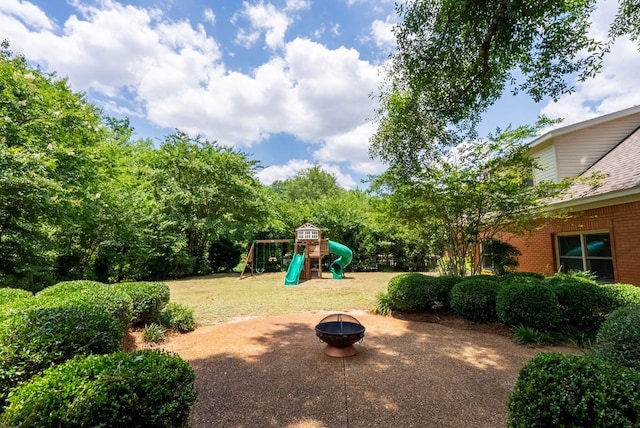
(293, 83)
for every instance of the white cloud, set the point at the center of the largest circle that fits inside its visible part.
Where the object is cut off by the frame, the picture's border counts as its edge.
(27, 13)
(263, 18)
(614, 88)
(209, 16)
(383, 35)
(290, 169)
(295, 5)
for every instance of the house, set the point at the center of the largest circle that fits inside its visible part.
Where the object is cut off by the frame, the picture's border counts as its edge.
(601, 228)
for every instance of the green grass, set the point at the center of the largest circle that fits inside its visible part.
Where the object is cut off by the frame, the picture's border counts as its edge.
(220, 298)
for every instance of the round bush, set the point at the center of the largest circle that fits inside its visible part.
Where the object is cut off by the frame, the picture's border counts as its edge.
(618, 340)
(140, 389)
(475, 299)
(528, 302)
(509, 276)
(620, 295)
(409, 292)
(8, 295)
(582, 301)
(90, 294)
(178, 317)
(443, 286)
(149, 298)
(555, 390)
(37, 337)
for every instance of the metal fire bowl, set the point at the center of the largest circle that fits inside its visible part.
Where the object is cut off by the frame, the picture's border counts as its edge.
(340, 332)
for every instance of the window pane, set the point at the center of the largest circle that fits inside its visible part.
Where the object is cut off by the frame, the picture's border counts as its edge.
(598, 245)
(570, 246)
(567, 265)
(602, 268)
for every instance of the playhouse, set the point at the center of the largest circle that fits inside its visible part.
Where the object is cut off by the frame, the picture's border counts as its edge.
(309, 248)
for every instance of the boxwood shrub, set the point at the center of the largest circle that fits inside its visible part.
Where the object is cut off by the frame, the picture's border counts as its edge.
(8, 295)
(149, 298)
(411, 292)
(37, 337)
(90, 294)
(474, 298)
(582, 301)
(621, 295)
(556, 390)
(443, 286)
(528, 302)
(618, 340)
(140, 389)
(178, 317)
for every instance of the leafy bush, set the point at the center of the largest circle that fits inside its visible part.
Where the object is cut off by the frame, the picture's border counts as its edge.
(139, 389)
(411, 292)
(620, 295)
(8, 295)
(475, 299)
(582, 301)
(509, 276)
(90, 294)
(383, 304)
(154, 333)
(178, 317)
(524, 335)
(618, 340)
(442, 289)
(528, 302)
(149, 298)
(555, 390)
(34, 338)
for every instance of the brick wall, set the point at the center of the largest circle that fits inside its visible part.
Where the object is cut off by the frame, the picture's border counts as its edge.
(621, 221)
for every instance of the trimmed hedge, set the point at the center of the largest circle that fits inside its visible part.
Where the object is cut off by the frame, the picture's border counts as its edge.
(443, 286)
(34, 338)
(618, 340)
(528, 302)
(90, 294)
(409, 292)
(555, 390)
(140, 389)
(9, 295)
(621, 295)
(178, 317)
(474, 298)
(582, 301)
(149, 299)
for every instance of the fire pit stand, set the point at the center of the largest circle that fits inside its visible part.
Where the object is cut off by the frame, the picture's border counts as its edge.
(340, 332)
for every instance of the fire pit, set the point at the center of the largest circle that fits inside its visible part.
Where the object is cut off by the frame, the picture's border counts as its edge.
(340, 332)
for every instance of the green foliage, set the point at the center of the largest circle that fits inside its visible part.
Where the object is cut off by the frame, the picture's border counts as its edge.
(36, 337)
(475, 299)
(582, 301)
(383, 304)
(620, 295)
(513, 275)
(443, 286)
(154, 333)
(618, 340)
(8, 295)
(91, 294)
(149, 298)
(178, 317)
(224, 255)
(555, 390)
(526, 335)
(528, 302)
(138, 389)
(504, 256)
(415, 292)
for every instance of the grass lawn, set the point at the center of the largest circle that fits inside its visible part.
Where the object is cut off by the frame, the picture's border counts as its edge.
(220, 298)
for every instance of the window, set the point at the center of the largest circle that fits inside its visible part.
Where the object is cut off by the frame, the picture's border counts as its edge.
(586, 251)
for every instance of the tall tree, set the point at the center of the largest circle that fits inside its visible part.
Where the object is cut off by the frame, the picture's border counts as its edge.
(471, 194)
(455, 58)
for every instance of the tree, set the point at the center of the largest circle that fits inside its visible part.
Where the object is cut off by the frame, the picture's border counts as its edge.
(471, 194)
(456, 58)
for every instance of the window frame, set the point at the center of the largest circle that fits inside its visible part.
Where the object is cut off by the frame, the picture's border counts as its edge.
(583, 245)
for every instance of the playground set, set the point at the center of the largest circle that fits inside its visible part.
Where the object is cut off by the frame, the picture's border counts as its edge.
(306, 262)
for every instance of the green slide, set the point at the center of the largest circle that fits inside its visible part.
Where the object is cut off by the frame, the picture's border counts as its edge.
(344, 254)
(295, 267)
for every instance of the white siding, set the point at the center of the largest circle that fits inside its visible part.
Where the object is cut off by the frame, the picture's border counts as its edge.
(577, 151)
(546, 159)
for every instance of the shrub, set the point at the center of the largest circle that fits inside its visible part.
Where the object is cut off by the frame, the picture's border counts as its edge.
(34, 338)
(528, 302)
(149, 298)
(443, 286)
(90, 294)
(582, 301)
(618, 340)
(153, 333)
(139, 389)
(8, 295)
(409, 292)
(509, 276)
(524, 335)
(620, 295)
(555, 390)
(475, 299)
(178, 317)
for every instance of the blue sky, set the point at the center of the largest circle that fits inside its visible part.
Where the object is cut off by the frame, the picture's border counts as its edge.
(288, 81)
